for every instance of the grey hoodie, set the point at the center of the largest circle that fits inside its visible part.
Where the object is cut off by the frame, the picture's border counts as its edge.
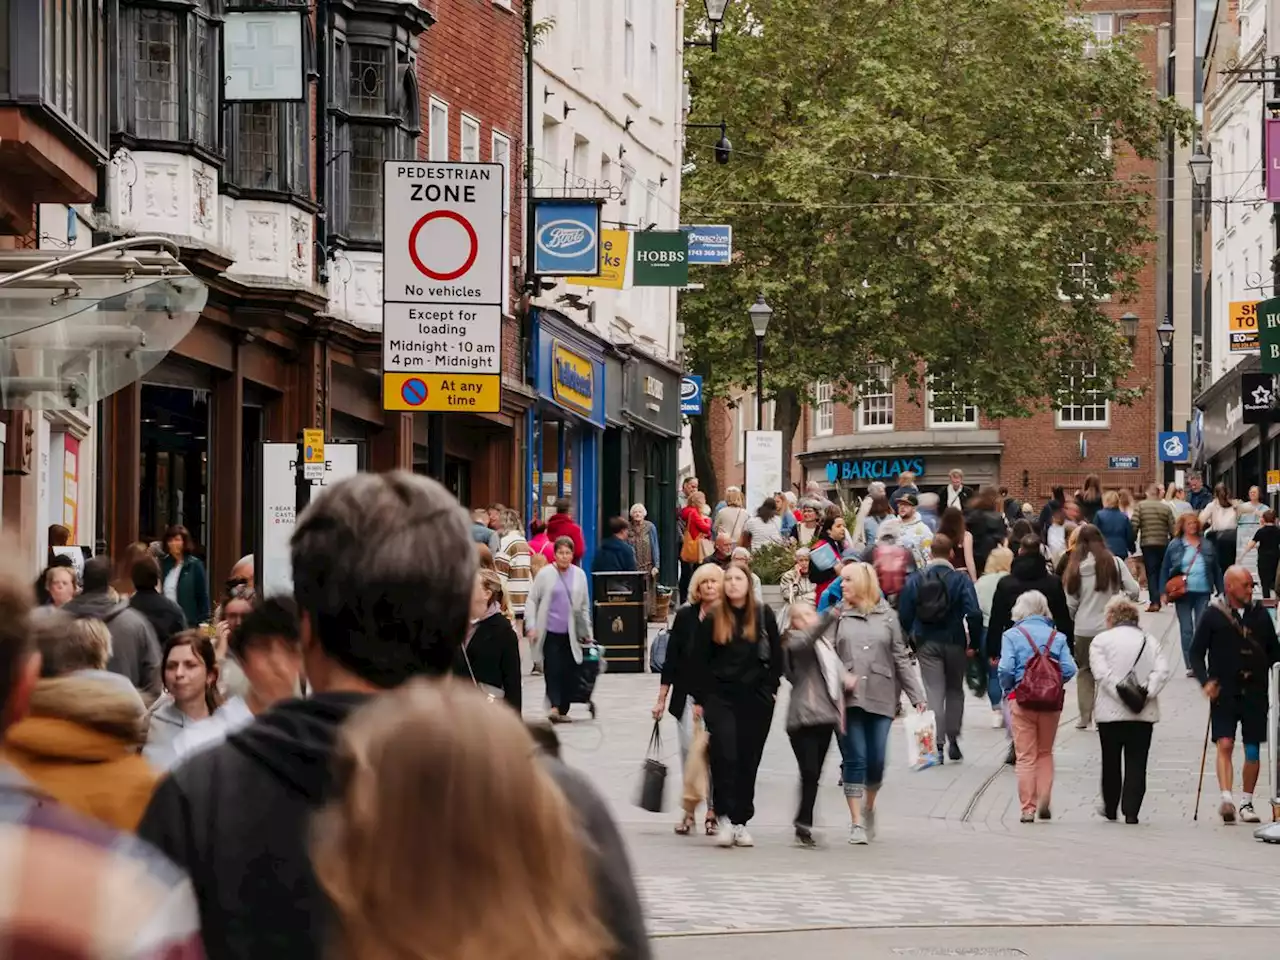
(1088, 605)
(135, 651)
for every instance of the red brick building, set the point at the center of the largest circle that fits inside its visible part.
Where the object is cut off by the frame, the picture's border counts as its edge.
(890, 429)
(471, 91)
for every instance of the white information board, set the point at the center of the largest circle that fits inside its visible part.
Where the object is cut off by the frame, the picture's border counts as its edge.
(763, 467)
(279, 514)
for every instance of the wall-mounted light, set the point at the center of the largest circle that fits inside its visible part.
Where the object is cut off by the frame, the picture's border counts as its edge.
(1129, 327)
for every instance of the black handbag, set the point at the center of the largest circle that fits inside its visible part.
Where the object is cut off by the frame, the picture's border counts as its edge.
(653, 776)
(1131, 691)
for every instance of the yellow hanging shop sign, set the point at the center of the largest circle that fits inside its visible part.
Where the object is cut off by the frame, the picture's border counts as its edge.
(573, 379)
(614, 247)
(1242, 326)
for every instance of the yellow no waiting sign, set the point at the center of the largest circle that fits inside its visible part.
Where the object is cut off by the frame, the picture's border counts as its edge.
(1242, 326)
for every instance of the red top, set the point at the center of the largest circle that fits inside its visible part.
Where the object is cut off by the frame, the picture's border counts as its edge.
(694, 521)
(562, 525)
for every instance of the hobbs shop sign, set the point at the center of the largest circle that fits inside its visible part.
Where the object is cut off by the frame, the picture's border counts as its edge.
(661, 258)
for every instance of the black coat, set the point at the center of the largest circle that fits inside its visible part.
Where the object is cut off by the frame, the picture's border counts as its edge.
(494, 652)
(989, 531)
(1028, 573)
(740, 666)
(1239, 664)
(165, 616)
(676, 669)
(237, 818)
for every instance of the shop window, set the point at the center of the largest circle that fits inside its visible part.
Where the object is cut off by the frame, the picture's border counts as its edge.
(169, 85)
(875, 400)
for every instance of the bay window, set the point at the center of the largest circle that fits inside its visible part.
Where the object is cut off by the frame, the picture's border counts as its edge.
(168, 59)
(374, 115)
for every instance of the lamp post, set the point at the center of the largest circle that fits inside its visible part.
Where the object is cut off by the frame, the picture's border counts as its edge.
(761, 313)
(1165, 334)
(715, 16)
(1129, 328)
(1200, 165)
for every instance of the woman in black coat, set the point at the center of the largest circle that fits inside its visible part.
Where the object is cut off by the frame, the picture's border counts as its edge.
(677, 676)
(490, 655)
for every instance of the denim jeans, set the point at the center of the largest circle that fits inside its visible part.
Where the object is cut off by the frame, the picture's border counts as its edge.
(1190, 609)
(994, 693)
(862, 748)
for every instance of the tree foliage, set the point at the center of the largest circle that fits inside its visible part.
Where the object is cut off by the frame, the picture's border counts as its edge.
(911, 181)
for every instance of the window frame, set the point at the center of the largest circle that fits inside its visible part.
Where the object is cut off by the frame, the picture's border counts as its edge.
(467, 122)
(629, 41)
(824, 408)
(931, 412)
(887, 390)
(1069, 400)
(127, 126)
(434, 103)
(496, 137)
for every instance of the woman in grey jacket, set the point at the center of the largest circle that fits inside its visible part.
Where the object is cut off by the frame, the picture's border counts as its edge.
(816, 708)
(869, 641)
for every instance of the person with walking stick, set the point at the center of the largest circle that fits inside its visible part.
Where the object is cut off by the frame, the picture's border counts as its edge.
(1234, 647)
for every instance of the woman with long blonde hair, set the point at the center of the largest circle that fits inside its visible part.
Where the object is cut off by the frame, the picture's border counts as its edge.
(868, 638)
(448, 838)
(736, 666)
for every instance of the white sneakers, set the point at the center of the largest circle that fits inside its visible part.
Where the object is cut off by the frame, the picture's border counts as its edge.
(1248, 814)
(733, 836)
(726, 834)
(997, 719)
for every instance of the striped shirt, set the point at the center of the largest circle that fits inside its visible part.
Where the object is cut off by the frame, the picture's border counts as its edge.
(512, 564)
(74, 889)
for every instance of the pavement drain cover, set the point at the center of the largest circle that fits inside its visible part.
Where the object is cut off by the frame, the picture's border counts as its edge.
(958, 952)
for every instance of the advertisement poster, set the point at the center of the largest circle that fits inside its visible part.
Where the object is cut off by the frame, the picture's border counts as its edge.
(71, 484)
(1242, 326)
(279, 513)
(763, 466)
(614, 247)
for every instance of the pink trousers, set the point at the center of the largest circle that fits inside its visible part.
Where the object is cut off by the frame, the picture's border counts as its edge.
(1033, 735)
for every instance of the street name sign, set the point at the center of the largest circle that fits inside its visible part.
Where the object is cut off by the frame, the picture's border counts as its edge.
(442, 280)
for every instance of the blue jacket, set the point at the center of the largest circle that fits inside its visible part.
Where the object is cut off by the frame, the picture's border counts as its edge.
(1180, 553)
(788, 522)
(964, 608)
(1116, 530)
(833, 596)
(1016, 652)
(1199, 499)
(614, 556)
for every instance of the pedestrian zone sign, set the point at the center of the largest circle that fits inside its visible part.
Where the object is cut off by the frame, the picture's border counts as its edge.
(442, 287)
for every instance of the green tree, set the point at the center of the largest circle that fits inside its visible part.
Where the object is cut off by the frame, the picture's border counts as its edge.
(910, 184)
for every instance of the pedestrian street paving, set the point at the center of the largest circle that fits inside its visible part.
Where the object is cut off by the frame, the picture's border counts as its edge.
(950, 850)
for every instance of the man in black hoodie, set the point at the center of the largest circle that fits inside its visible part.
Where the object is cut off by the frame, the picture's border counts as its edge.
(1029, 571)
(383, 571)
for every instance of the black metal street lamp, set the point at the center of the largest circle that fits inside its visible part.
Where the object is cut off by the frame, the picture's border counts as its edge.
(1200, 165)
(1164, 333)
(715, 16)
(761, 313)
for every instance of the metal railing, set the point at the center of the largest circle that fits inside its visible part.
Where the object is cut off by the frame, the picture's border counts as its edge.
(53, 266)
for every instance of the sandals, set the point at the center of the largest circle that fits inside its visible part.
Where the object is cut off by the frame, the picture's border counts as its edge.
(685, 826)
(711, 825)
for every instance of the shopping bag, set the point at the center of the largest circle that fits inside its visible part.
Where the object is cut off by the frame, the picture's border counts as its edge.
(695, 768)
(922, 739)
(653, 775)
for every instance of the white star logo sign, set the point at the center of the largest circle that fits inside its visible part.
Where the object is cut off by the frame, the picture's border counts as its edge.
(1262, 397)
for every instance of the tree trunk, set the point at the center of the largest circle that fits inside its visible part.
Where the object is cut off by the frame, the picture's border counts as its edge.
(786, 418)
(704, 467)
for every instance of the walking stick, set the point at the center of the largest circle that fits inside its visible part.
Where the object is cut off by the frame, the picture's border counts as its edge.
(1204, 754)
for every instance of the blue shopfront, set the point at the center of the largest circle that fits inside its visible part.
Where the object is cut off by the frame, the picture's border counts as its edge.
(565, 427)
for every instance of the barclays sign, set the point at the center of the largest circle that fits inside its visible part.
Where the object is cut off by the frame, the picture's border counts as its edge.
(566, 238)
(882, 468)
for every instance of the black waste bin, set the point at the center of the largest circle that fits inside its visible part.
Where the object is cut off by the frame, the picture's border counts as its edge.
(619, 621)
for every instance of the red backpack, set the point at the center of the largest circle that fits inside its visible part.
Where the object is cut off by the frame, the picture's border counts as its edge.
(891, 563)
(1041, 687)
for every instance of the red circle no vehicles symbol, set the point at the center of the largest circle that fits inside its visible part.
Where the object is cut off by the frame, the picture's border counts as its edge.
(472, 239)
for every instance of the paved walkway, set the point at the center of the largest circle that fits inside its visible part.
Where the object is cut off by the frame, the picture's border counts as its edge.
(950, 850)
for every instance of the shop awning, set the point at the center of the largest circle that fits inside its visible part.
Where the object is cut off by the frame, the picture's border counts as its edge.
(76, 326)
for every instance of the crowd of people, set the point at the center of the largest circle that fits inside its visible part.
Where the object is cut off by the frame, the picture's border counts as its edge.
(916, 592)
(278, 776)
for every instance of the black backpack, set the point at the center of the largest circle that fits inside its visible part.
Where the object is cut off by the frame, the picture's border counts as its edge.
(933, 599)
